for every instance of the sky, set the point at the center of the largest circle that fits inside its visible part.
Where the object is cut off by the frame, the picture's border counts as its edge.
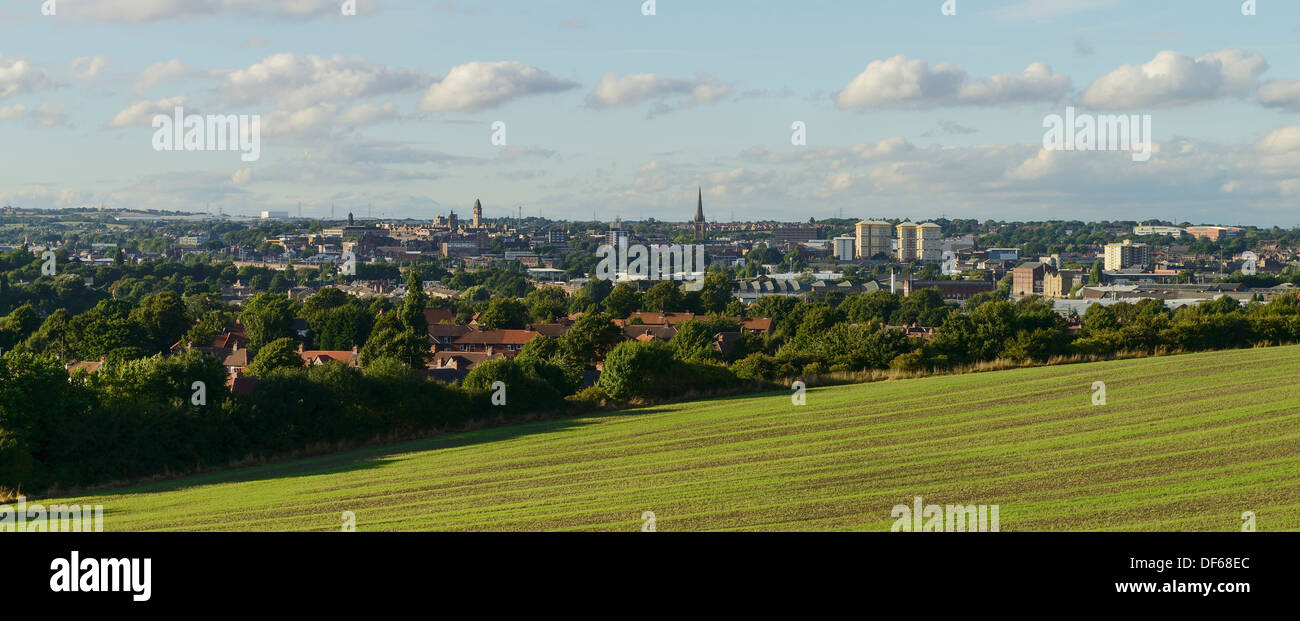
(607, 111)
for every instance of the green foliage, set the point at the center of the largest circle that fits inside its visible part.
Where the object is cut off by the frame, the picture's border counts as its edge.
(665, 297)
(164, 318)
(587, 340)
(547, 304)
(522, 379)
(504, 314)
(267, 317)
(649, 369)
(623, 300)
(278, 354)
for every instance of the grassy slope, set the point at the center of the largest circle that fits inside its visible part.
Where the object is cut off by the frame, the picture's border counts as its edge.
(1185, 443)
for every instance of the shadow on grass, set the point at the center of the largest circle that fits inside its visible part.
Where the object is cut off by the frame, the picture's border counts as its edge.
(368, 457)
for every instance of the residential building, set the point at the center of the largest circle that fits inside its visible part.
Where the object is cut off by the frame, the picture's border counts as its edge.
(844, 250)
(1126, 255)
(873, 238)
(929, 242)
(907, 240)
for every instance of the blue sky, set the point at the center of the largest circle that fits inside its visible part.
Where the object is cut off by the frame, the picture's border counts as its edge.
(909, 113)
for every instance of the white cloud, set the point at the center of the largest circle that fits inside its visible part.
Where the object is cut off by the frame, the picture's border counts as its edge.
(10, 113)
(18, 75)
(369, 113)
(48, 115)
(903, 82)
(1280, 94)
(143, 112)
(1281, 140)
(477, 86)
(87, 67)
(294, 82)
(629, 90)
(162, 72)
(1172, 79)
(633, 89)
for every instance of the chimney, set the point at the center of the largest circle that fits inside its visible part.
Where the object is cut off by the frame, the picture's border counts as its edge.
(355, 349)
(300, 348)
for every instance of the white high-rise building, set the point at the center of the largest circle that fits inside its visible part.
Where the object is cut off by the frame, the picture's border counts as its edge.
(844, 247)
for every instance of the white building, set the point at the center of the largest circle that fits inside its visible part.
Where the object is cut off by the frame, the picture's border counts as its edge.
(844, 247)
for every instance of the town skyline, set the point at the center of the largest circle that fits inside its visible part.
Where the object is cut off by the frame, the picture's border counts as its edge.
(607, 110)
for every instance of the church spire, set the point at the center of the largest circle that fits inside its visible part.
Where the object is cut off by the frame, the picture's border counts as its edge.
(701, 226)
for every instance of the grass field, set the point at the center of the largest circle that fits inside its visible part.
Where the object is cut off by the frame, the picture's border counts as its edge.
(1184, 442)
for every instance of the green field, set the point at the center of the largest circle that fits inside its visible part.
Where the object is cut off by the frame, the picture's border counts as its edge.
(1184, 442)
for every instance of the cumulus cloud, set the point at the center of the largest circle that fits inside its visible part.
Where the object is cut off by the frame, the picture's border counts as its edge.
(1281, 94)
(295, 82)
(1172, 79)
(48, 115)
(19, 75)
(366, 114)
(633, 89)
(911, 82)
(477, 86)
(45, 115)
(1281, 140)
(163, 72)
(87, 67)
(143, 112)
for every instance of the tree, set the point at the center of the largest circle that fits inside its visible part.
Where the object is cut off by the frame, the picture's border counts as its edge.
(267, 317)
(593, 292)
(716, 292)
(665, 297)
(503, 314)
(1096, 276)
(412, 313)
(164, 318)
(623, 300)
(635, 368)
(278, 354)
(589, 338)
(104, 328)
(694, 339)
(547, 304)
(875, 307)
(403, 345)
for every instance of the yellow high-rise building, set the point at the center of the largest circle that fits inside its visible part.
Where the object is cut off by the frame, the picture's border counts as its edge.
(929, 242)
(873, 238)
(908, 235)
